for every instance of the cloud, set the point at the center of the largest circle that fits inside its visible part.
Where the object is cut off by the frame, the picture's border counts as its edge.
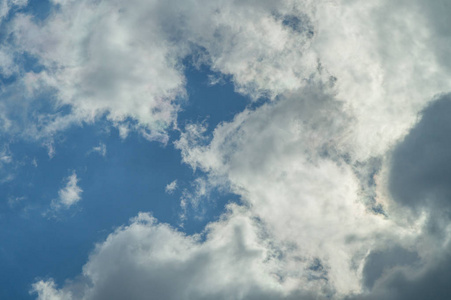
(5, 156)
(101, 149)
(7, 5)
(8, 66)
(127, 61)
(406, 282)
(303, 230)
(193, 197)
(417, 182)
(152, 259)
(69, 195)
(420, 170)
(322, 193)
(379, 263)
(385, 65)
(287, 161)
(104, 60)
(171, 187)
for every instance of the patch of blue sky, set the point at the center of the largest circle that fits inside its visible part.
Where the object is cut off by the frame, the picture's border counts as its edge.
(131, 177)
(39, 9)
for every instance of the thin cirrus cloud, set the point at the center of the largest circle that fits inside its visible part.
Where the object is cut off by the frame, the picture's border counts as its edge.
(341, 173)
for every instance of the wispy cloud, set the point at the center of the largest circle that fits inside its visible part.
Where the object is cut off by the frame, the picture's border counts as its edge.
(100, 149)
(171, 187)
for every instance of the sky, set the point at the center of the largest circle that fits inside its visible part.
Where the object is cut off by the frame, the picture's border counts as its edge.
(225, 149)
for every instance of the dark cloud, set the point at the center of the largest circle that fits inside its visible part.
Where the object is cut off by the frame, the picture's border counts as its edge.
(420, 174)
(409, 284)
(379, 262)
(419, 181)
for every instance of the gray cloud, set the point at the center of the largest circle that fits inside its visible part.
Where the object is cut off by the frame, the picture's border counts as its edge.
(419, 180)
(380, 262)
(421, 164)
(409, 283)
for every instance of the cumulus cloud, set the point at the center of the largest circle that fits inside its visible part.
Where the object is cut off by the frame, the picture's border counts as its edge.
(294, 177)
(384, 64)
(70, 194)
(150, 259)
(126, 61)
(104, 60)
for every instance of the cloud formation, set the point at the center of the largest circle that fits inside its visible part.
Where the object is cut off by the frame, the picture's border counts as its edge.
(152, 259)
(343, 188)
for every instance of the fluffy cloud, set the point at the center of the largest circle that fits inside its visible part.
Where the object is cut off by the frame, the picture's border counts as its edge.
(70, 194)
(294, 177)
(125, 61)
(385, 63)
(147, 259)
(104, 59)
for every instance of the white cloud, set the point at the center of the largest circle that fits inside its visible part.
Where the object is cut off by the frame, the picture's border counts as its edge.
(104, 60)
(70, 194)
(171, 187)
(125, 61)
(152, 259)
(101, 149)
(293, 177)
(193, 197)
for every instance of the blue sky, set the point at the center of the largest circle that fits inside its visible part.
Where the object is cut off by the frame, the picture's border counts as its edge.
(198, 149)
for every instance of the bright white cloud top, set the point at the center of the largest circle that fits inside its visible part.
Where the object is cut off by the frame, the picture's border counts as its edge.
(340, 160)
